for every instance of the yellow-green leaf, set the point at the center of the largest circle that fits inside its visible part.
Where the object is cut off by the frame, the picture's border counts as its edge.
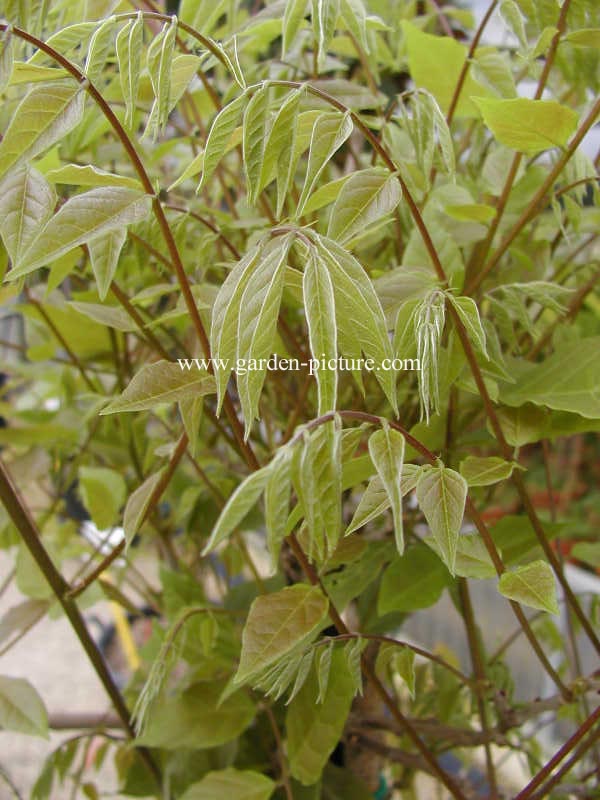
(532, 584)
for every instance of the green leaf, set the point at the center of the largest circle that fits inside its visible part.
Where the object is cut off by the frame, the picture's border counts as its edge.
(100, 45)
(386, 448)
(325, 195)
(330, 131)
(21, 708)
(512, 16)
(485, 471)
(138, 504)
(279, 149)
(323, 662)
(82, 219)
(413, 581)
(238, 505)
(224, 321)
(103, 493)
(435, 63)
(104, 258)
(324, 18)
(567, 380)
(584, 37)
(529, 126)
(231, 783)
(129, 53)
(26, 204)
(442, 493)
(404, 663)
(254, 135)
(471, 212)
(88, 175)
(319, 306)
(198, 719)
(161, 382)
(359, 314)
(219, 135)
(532, 584)
(44, 117)
(257, 324)
(313, 728)
(276, 623)
(159, 59)
(292, 19)
(366, 197)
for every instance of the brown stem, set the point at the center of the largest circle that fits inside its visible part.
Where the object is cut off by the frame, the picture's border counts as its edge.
(26, 526)
(561, 753)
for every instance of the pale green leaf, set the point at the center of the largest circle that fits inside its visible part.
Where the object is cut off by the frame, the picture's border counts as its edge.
(82, 219)
(532, 584)
(467, 310)
(6, 57)
(232, 784)
(471, 212)
(325, 195)
(276, 623)
(314, 729)
(182, 70)
(160, 59)
(330, 131)
(257, 325)
(107, 315)
(103, 493)
(386, 448)
(88, 175)
(21, 708)
(441, 493)
(161, 382)
(485, 471)
(237, 506)
(472, 557)
(366, 197)
(279, 149)
(224, 321)
(292, 19)
(129, 54)
(324, 18)
(32, 73)
(354, 16)
(529, 126)
(138, 504)
(100, 45)
(104, 258)
(375, 500)
(319, 306)
(44, 117)
(22, 617)
(323, 662)
(358, 312)
(277, 500)
(26, 204)
(320, 488)
(254, 134)
(514, 19)
(219, 135)
(191, 409)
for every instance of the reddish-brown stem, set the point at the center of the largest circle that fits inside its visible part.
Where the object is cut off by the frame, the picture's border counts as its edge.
(560, 754)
